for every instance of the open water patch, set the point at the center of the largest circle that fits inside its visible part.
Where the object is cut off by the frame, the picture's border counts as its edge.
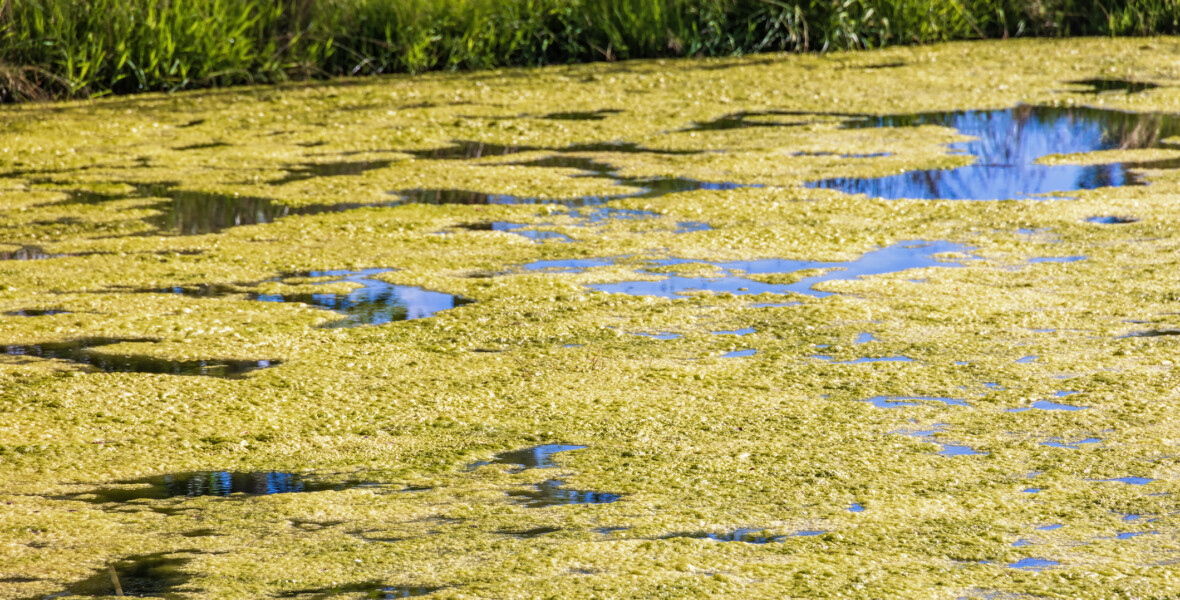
(194, 212)
(902, 401)
(1061, 443)
(210, 483)
(29, 253)
(1033, 564)
(307, 171)
(146, 575)
(649, 187)
(373, 302)
(370, 589)
(944, 449)
(88, 351)
(902, 256)
(1006, 148)
(1112, 220)
(551, 493)
(37, 312)
(537, 457)
(1048, 405)
(740, 353)
(470, 150)
(1126, 86)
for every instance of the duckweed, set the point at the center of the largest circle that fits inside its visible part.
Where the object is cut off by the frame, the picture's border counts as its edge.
(305, 187)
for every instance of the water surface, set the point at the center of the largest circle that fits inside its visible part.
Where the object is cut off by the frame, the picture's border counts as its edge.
(1006, 147)
(90, 351)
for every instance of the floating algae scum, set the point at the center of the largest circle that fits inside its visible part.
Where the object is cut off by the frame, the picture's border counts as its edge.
(786, 326)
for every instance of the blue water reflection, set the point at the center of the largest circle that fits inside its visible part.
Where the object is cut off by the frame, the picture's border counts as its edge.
(1006, 147)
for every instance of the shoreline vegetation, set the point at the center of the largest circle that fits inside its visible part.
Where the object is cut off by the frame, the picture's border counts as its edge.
(56, 49)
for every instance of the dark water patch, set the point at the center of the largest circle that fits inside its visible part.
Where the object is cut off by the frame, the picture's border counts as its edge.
(192, 123)
(1097, 86)
(375, 302)
(592, 115)
(1112, 220)
(147, 575)
(371, 589)
(190, 212)
(692, 226)
(83, 351)
(530, 533)
(211, 483)
(888, 65)
(406, 592)
(197, 213)
(537, 457)
(748, 536)
(650, 187)
(336, 169)
(1048, 405)
(29, 253)
(468, 150)
(1033, 564)
(198, 533)
(1154, 333)
(530, 233)
(899, 257)
(741, 120)
(550, 493)
(37, 312)
(900, 401)
(205, 146)
(1007, 146)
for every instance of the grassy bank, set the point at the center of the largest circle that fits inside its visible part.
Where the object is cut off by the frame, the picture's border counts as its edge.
(71, 48)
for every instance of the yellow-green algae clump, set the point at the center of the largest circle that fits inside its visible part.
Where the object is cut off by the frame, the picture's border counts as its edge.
(693, 443)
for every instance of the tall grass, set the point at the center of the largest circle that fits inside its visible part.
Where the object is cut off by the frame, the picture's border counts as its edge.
(70, 48)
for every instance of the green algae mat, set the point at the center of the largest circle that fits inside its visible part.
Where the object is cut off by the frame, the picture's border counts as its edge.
(896, 324)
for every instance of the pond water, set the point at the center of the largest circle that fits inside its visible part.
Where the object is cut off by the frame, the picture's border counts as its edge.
(147, 575)
(537, 457)
(895, 258)
(551, 493)
(211, 483)
(900, 401)
(649, 187)
(91, 352)
(373, 302)
(1006, 147)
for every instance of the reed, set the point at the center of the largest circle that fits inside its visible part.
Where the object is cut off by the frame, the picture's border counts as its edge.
(80, 48)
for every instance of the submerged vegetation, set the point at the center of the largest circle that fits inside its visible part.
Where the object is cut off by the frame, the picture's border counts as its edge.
(92, 47)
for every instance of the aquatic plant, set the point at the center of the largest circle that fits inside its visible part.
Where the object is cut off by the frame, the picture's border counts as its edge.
(77, 48)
